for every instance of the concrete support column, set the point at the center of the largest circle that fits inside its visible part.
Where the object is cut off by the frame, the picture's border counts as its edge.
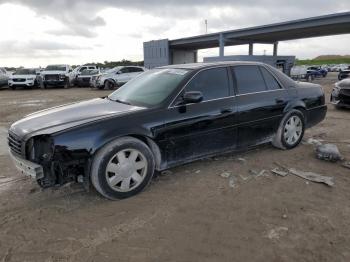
(221, 45)
(275, 48)
(251, 49)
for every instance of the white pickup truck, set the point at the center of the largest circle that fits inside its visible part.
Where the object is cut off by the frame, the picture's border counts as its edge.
(57, 75)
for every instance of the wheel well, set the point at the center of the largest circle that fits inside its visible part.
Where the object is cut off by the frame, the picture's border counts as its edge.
(109, 80)
(303, 111)
(154, 148)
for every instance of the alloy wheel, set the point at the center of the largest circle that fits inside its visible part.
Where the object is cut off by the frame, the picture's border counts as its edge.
(126, 170)
(293, 130)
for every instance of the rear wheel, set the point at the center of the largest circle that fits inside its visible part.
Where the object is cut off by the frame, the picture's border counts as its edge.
(290, 131)
(122, 168)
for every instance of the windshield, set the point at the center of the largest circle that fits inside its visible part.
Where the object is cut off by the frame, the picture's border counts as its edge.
(25, 72)
(150, 88)
(55, 68)
(90, 72)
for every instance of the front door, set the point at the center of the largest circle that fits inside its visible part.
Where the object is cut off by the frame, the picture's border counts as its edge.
(205, 128)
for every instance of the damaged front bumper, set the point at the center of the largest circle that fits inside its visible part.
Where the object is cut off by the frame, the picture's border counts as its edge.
(27, 168)
(341, 98)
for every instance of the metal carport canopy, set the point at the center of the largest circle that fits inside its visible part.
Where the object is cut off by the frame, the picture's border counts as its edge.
(333, 24)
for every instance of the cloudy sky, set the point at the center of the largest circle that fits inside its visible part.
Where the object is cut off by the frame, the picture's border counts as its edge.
(39, 32)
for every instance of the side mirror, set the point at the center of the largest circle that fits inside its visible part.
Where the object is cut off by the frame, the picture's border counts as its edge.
(192, 97)
(119, 72)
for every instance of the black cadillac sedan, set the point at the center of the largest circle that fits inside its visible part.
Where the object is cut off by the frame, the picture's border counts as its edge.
(165, 117)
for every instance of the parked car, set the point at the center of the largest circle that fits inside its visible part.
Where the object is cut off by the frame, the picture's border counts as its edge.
(166, 117)
(343, 74)
(84, 79)
(78, 71)
(338, 68)
(340, 96)
(24, 77)
(118, 76)
(57, 75)
(3, 77)
(298, 73)
(318, 71)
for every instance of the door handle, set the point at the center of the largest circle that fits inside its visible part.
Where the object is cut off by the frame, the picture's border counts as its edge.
(279, 100)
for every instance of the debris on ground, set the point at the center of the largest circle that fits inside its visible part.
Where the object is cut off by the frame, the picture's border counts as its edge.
(166, 173)
(231, 179)
(225, 174)
(279, 172)
(277, 232)
(328, 152)
(256, 173)
(313, 141)
(284, 216)
(245, 178)
(242, 160)
(197, 171)
(313, 177)
(306, 175)
(232, 182)
(346, 164)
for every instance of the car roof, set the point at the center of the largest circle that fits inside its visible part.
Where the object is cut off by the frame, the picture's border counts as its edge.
(211, 64)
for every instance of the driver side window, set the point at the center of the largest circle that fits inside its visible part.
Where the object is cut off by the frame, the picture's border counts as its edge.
(213, 83)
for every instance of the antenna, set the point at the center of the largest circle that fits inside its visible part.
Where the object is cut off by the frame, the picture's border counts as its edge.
(206, 26)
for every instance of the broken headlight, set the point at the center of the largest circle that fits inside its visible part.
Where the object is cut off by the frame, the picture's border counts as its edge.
(39, 149)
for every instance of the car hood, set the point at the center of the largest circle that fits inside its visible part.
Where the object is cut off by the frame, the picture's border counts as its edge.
(53, 72)
(22, 76)
(67, 116)
(344, 84)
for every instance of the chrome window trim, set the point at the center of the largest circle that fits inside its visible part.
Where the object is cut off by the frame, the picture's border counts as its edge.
(252, 93)
(235, 95)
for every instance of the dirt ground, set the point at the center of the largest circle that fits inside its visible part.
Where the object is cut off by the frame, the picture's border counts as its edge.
(189, 214)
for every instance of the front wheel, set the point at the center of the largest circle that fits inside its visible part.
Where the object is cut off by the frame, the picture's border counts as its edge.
(290, 131)
(109, 85)
(122, 168)
(67, 84)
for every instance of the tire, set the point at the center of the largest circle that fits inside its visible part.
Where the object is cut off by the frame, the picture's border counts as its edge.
(66, 84)
(13, 87)
(282, 138)
(109, 85)
(113, 158)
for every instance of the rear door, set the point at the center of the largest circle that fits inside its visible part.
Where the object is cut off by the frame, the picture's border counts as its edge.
(200, 129)
(260, 103)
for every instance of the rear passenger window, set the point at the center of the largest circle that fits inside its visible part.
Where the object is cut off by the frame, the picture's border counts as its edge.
(270, 81)
(125, 70)
(213, 83)
(248, 79)
(136, 69)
